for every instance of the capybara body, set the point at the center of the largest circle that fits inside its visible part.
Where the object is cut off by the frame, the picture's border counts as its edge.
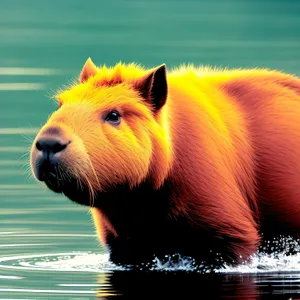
(200, 162)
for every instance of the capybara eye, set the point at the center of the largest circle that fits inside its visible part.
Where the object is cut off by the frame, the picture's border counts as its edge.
(113, 117)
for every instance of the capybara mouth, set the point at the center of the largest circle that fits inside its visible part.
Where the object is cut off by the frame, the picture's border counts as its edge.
(72, 188)
(57, 181)
(54, 184)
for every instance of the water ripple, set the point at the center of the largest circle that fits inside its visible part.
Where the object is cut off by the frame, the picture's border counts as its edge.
(63, 262)
(21, 86)
(28, 71)
(24, 130)
(92, 262)
(48, 291)
(91, 273)
(10, 277)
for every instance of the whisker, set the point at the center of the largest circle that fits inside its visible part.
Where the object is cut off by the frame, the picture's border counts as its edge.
(62, 173)
(80, 184)
(94, 172)
(90, 190)
(59, 173)
(27, 138)
(67, 176)
(27, 173)
(56, 171)
(23, 155)
(26, 167)
(91, 193)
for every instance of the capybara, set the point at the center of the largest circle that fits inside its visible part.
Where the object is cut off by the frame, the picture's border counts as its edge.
(199, 162)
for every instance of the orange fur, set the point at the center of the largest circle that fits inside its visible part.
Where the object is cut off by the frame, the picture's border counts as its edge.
(225, 146)
(102, 225)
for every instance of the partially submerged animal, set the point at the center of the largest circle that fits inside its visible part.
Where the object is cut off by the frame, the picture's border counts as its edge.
(195, 161)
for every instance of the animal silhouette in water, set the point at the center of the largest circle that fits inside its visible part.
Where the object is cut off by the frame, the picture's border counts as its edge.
(196, 161)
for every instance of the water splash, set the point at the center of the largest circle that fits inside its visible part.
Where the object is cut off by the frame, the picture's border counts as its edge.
(278, 261)
(266, 263)
(168, 264)
(279, 255)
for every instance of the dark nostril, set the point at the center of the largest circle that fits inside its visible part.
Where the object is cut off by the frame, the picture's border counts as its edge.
(38, 146)
(51, 145)
(57, 147)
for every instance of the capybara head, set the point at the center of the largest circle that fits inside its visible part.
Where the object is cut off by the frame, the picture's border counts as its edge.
(109, 130)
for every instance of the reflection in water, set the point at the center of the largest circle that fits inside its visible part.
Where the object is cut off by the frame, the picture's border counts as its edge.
(191, 285)
(176, 285)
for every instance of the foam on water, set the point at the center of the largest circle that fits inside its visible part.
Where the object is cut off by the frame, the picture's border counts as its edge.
(263, 263)
(259, 263)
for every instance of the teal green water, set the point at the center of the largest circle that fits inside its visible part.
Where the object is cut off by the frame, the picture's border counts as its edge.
(43, 45)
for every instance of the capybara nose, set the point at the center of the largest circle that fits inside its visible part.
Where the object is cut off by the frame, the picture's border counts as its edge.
(50, 146)
(47, 157)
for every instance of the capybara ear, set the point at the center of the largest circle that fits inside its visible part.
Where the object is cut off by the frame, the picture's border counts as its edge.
(89, 69)
(153, 87)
